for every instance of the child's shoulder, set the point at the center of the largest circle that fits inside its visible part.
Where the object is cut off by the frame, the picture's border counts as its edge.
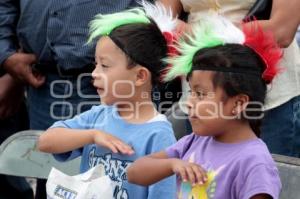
(256, 153)
(98, 110)
(158, 125)
(101, 107)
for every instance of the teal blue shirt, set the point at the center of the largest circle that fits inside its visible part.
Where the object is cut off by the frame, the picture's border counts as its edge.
(145, 139)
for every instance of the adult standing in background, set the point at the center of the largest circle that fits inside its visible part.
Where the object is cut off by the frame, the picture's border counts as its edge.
(281, 125)
(42, 44)
(13, 118)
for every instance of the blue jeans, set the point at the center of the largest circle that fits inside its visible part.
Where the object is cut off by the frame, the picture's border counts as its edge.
(281, 128)
(59, 99)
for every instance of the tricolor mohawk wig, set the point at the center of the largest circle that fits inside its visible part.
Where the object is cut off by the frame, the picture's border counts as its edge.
(147, 13)
(216, 30)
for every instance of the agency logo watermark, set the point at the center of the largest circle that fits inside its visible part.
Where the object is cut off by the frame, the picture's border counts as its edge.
(203, 109)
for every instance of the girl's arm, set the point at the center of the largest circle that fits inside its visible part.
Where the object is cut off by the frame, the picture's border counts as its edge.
(60, 140)
(282, 23)
(153, 168)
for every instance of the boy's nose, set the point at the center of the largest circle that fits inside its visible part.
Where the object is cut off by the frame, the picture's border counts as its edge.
(95, 74)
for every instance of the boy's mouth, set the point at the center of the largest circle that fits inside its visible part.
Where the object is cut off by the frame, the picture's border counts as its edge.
(99, 89)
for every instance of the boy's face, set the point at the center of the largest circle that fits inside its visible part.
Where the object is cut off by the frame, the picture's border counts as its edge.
(209, 113)
(112, 78)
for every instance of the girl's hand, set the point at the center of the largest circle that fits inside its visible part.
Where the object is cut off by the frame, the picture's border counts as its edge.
(111, 142)
(189, 172)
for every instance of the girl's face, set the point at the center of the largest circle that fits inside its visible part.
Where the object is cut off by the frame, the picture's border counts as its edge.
(113, 79)
(209, 112)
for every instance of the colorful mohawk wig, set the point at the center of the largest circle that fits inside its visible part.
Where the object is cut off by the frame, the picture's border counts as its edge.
(104, 24)
(216, 30)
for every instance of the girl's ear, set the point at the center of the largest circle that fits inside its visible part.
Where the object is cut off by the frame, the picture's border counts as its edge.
(142, 75)
(241, 103)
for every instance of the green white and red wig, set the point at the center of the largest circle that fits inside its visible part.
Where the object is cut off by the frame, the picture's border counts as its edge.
(216, 30)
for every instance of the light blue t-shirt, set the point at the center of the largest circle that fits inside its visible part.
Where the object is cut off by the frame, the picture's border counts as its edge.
(144, 138)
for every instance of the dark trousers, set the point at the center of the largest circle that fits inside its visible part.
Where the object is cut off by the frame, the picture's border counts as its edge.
(281, 128)
(12, 187)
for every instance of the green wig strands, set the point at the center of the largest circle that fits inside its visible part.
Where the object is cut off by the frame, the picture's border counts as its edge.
(104, 24)
(202, 37)
(213, 30)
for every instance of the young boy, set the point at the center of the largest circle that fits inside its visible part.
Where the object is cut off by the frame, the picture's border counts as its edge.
(128, 63)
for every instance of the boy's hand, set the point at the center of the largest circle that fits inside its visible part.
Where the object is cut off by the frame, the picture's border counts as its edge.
(189, 172)
(112, 143)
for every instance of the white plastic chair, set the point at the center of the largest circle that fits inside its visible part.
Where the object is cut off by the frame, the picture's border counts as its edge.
(19, 157)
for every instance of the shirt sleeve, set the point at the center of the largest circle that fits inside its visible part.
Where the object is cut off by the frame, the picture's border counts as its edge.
(262, 179)
(9, 14)
(165, 188)
(178, 149)
(84, 120)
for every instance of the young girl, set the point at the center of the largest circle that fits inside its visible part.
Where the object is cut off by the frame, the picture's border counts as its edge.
(128, 62)
(227, 70)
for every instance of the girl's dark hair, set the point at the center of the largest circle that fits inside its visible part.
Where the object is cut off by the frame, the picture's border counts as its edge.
(143, 44)
(236, 58)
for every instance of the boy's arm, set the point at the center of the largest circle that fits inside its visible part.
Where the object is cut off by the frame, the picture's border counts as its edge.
(61, 140)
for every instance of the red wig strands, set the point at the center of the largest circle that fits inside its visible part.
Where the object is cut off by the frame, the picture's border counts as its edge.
(264, 44)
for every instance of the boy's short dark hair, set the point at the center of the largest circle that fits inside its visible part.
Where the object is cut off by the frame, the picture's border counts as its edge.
(143, 44)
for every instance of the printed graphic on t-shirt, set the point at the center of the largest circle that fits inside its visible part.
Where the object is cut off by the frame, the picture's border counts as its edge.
(204, 191)
(114, 168)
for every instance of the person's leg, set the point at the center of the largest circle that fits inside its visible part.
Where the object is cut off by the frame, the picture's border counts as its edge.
(281, 128)
(296, 129)
(12, 187)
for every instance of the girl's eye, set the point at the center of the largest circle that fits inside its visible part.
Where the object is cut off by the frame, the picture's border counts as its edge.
(198, 94)
(201, 94)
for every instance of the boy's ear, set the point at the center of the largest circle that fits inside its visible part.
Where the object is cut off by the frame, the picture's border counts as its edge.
(142, 75)
(241, 103)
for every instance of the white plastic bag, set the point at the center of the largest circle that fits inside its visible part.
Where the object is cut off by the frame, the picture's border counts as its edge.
(92, 184)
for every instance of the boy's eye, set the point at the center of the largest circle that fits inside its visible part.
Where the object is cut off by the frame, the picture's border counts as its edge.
(104, 66)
